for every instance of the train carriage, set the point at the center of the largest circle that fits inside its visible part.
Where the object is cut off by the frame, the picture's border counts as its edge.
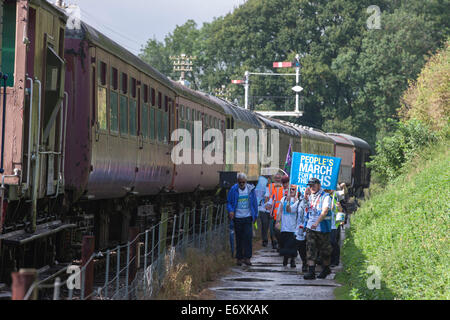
(360, 171)
(344, 149)
(192, 107)
(127, 108)
(32, 47)
(238, 118)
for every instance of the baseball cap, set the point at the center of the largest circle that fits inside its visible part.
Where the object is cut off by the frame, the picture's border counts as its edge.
(313, 181)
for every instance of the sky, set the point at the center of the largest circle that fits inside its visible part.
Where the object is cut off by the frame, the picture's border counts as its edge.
(131, 23)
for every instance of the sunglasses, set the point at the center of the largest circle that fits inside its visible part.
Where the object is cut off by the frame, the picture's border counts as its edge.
(242, 182)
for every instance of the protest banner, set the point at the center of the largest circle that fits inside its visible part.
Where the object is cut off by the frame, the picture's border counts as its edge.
(307, 166)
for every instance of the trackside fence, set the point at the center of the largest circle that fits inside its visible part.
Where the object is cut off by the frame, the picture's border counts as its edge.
(136, 270)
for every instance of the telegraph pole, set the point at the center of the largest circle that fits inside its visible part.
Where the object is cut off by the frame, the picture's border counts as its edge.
(247, 87)
(183, 63)
(297, 89)
(223, 92)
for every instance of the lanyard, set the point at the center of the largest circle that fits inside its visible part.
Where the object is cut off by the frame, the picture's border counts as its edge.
(314, 206)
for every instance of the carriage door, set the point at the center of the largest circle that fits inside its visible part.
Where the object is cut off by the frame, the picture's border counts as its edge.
(53, 92)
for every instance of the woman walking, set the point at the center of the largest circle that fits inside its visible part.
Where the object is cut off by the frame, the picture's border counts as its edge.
(287, 224)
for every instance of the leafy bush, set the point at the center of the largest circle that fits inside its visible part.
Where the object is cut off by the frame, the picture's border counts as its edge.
(428, 98)
(395, 151)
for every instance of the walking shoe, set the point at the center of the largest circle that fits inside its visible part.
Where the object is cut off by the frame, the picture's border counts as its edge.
(239, 262)
(304, 268)
(325, 272)
(274, 245)
(285, 261)
(264, 244)
(311, 275)
(293, 265)
(247, 262)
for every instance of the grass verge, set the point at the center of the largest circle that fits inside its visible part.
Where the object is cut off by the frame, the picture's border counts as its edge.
(403, 231)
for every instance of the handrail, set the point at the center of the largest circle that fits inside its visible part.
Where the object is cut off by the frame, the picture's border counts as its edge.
(37, 165)
(30, 133)
(66, 96)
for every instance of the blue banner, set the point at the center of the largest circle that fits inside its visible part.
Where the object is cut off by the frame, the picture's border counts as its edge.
(260, 189)
(307, 166)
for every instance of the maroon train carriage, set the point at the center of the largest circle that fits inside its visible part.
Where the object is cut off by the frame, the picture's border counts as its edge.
(361, 156)
(32, 47)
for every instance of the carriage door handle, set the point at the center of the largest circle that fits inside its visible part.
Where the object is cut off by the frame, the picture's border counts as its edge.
(141, 141)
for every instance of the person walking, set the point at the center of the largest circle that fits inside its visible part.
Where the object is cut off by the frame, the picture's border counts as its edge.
(318, 229)
(264, 216)
(272, 204)
(242, 206)
(335, 235)
(287, 223)
(301, 234)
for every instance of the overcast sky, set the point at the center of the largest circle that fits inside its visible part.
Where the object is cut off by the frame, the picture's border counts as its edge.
(131, 23)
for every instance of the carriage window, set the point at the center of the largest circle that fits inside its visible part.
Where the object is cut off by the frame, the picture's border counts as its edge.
(159, 122)
(133, 118)
(102, 113)
(102, 73)
(53, 85)
(133, 87)
(182, 113)
(193, 115)
(124, 83)
(153, 96)
(188, 114)
(114, 79)
(123, 115)
(114, 120)
(145, 93)
(166, 103)
(8, 40)
(166, 128)
(152, 123)
(159, 99)
(145, 120)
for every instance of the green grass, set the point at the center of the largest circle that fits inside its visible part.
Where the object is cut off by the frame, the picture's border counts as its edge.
(403, 229)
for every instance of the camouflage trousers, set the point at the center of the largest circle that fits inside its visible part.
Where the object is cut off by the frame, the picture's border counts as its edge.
(318, 246)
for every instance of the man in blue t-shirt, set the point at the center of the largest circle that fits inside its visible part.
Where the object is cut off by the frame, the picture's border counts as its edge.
(243, 209)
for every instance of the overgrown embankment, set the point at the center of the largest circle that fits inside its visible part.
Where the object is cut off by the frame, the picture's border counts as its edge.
(403, 228)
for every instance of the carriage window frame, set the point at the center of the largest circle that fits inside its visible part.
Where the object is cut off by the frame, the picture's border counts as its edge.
(114, 91)
(102, 85)
(159, 100)
(124, 83)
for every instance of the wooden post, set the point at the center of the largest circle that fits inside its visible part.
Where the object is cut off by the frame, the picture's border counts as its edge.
(22, 282)
(87, 251)
(187, 213)
(134, 231)
(163, 231)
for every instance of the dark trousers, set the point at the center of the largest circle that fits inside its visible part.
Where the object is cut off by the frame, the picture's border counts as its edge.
(288, 245)
(301, 247)
(265, 226)
(244, 236)
(335, 237)
(274, 233)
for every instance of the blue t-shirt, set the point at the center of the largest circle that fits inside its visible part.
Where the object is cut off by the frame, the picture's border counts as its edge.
(243, 205)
